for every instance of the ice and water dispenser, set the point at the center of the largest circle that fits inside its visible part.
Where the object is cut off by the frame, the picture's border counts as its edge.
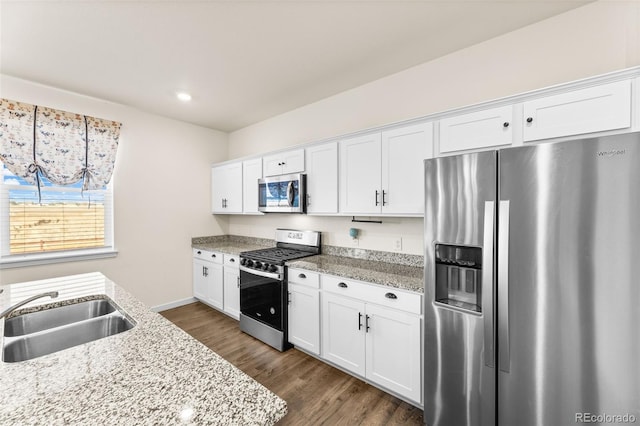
(459, 276)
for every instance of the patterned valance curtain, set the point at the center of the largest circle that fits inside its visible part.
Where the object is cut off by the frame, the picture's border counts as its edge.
(62, 146)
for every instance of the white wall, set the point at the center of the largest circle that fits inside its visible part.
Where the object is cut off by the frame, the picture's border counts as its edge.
(161, 196)
(591, 40)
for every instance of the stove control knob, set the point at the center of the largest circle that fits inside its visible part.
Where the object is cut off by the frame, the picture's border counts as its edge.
(257, 265)
(265, 266)
(243, 261)
(273, 268)
(249, 263)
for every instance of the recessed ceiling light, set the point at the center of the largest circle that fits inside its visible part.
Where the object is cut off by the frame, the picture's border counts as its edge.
(183, 96)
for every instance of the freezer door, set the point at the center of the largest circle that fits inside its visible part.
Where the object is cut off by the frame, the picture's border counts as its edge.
(459, 373)
(568, 317)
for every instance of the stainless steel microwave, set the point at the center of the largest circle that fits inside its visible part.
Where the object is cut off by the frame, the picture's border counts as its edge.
(282, 194)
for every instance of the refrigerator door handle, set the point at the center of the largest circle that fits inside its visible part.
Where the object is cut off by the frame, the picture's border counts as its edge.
(503, 286)
(487, 282)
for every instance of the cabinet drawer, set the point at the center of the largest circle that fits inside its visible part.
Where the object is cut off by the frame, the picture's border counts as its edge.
(303, 277)
(209, 256)
(373, 293)
(481, 129)
(594, 109)
(231, 260)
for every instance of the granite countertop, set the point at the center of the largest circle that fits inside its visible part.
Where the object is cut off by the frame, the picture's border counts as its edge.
(389, 274)
(153, 374)
(230, 244)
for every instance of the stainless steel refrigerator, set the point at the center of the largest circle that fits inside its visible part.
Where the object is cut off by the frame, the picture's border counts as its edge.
(532, 285)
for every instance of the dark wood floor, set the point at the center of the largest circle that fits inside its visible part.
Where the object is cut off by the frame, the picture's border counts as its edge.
(316, 393)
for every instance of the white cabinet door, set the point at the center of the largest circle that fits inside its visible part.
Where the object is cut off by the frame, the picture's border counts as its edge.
(595, 109)
(481, 129)
(393, 350)
(226, 188)
(304, 317)
(343, 339)
(231, 291)
(360, 174)
(215, 282)
(201, 289)
(322, 178)
(251, 172)
(284, 163)
(403, 153)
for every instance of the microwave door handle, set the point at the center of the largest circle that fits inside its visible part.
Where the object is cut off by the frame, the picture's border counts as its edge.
(290, 194)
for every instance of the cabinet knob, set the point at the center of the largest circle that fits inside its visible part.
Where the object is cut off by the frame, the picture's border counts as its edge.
(232, 260)
(342, 285)
(505, 124)
(390, 296)
(529, 119)
(199, 252)
(213, 255)
(302, 276)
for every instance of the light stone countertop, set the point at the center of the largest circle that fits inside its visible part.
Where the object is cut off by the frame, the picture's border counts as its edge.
(389, 274)
(153, 374)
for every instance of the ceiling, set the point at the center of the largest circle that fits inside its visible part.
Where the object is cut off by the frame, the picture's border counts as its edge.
(242, 61)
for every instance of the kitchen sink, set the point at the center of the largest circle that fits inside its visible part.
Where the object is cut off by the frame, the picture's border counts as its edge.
(56, 317)
(52, 330)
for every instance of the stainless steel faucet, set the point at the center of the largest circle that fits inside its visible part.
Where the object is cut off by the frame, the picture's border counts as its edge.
(51, 294)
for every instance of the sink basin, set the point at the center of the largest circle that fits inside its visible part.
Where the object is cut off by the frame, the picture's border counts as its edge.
(56, 317)
(44, 332)
(56, 339)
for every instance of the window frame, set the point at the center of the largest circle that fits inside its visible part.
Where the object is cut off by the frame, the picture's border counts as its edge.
(8, 260)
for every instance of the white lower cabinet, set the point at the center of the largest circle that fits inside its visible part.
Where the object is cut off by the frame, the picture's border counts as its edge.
(304, 309)
(231, 281)
(208, 277)
(380, 343)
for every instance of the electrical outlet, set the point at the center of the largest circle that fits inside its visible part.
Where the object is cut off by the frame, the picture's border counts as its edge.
(397, 244)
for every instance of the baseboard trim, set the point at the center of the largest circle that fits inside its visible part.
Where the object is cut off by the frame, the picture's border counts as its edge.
(174, 304)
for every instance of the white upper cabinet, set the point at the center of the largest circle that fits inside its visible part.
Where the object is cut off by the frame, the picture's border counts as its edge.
(403, 153)
(594, 109)
(322, 178)
(226, 188)
(360, 174)
(481, 129)
(284, 163)
(251, 172)
(382, 172)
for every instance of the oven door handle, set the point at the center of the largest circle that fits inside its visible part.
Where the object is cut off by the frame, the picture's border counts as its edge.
(265, 274)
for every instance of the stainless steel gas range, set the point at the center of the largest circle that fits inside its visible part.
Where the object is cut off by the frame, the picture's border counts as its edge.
(263, 285)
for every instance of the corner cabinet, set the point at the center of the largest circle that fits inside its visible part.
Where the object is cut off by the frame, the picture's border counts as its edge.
(208, 277)
(382, 172)
(374, 332)
(226, 188)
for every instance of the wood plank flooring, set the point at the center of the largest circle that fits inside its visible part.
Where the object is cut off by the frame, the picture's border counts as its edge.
(316, 393)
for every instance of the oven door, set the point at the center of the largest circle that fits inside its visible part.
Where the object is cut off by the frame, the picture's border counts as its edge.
(263, 299)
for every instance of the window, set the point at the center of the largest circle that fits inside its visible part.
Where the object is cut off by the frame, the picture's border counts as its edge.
(67, 223)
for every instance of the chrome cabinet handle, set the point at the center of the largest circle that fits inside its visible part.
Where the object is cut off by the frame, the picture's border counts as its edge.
(366, 321)
(390, 296)
(342, 285)
(377, 195)
(503, 286)
(359, 321)
(288, 297)
(238, 281)
(205, 271)
(384, 193)
(308, 199)
(488, 284)
(302, 276)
